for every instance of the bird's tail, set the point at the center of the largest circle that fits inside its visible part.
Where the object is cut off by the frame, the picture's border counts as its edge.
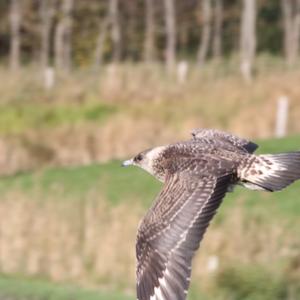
(271, 172)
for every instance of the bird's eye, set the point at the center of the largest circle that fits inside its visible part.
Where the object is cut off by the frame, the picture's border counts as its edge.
(139, 157)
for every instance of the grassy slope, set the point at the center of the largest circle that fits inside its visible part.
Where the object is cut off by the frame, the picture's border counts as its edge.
(132, 184)
(20, 117)
(27, 289)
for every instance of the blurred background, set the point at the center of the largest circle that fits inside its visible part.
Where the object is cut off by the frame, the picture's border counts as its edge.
(85, 84)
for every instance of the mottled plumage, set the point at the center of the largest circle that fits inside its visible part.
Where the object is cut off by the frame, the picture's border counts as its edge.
(197, 174)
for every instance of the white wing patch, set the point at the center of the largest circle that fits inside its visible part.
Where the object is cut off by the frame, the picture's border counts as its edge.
(157, 290)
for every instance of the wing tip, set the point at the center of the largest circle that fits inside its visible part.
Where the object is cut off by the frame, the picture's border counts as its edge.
(250, 147)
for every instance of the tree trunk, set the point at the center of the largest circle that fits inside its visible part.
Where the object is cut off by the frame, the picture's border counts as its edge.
(67, 9)
(46, 15)
(15, 23)
(149, 45)
(218, 22)
(297, 29)
(100, 43)
(115, 29)
(291, 21)
(63, 34)
(171, 35)
(59, 46)
(248, 39)
(206, 32)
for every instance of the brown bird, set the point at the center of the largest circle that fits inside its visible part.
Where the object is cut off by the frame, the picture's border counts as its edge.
(196, 174)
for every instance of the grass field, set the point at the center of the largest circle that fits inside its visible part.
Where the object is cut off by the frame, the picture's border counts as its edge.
(17, 118)
(88, 216)
(28, 289)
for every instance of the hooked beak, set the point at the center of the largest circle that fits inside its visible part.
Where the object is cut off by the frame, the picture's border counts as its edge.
(127, 163)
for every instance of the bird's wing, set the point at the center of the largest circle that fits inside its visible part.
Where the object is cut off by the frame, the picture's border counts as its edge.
(218, 135)
(171, 232)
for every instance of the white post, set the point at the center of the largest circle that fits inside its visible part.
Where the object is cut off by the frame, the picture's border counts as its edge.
(213, 263)
(282, 116)
(182, 70)
(49, 78)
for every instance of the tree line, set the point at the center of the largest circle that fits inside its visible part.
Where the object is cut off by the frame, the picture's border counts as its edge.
(70, 33)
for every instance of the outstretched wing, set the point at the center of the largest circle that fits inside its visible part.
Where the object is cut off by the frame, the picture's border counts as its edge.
(171, 231)
(217, 136)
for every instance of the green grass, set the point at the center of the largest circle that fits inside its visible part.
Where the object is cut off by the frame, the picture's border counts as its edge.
(249, 283)
(290, 143)
(20, 117)
(110, 181)
(15, 288)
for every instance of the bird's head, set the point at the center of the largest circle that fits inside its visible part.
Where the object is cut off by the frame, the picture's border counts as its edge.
(149, 160)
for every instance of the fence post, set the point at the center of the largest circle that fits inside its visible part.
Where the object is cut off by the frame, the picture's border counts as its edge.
(282, 116)
(49, 78)
(182, 70)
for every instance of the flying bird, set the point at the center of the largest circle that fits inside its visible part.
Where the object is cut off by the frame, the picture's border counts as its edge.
(196, 174)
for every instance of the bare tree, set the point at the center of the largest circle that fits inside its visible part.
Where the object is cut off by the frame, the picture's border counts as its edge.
(171, 35)
(15, 23)
(46, 16)
(248, 39)
(291, 21)
(103, 31)
(63, 35)
(218, 21)
(206, 32)
(110, 22)
(149, 44)
(115, 29)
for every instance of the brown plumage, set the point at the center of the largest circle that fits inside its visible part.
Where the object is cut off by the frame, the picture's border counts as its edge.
(197, 174)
